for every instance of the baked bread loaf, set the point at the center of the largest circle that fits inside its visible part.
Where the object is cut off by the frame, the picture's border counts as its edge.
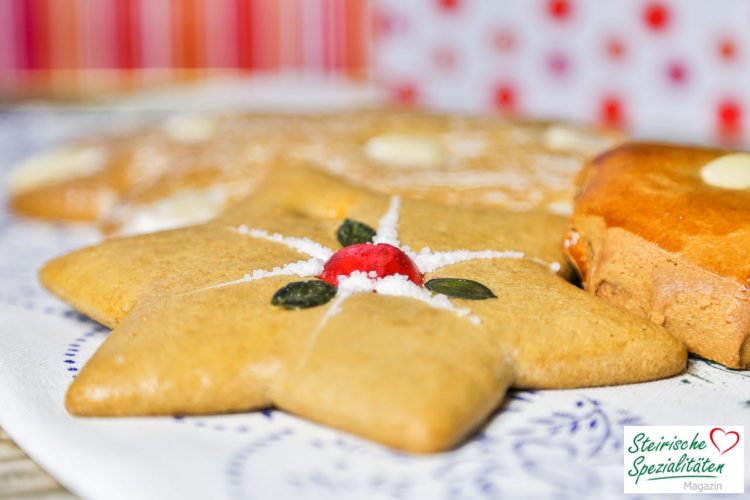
(664, 231)
(190, 168)
(242, 313)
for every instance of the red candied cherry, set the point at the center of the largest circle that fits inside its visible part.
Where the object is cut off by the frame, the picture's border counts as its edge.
(381, 259)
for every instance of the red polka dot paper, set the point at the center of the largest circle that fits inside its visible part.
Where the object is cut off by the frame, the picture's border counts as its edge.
(665, 69)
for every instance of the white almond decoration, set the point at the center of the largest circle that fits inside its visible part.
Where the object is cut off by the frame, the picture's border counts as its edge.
(562, 138)
(731, 171)
(405, 151)
(55, 166)
(184, 208)
(189, 127)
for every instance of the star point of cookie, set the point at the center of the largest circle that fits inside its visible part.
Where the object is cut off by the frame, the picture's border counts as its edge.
(196, 330)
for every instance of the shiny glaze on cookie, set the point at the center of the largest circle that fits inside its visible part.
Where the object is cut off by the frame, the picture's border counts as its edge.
(656, 192)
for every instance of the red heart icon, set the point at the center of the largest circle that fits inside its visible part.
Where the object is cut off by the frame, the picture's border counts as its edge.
(723, 439)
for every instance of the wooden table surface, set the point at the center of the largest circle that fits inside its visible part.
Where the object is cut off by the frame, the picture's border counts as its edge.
(23, 479)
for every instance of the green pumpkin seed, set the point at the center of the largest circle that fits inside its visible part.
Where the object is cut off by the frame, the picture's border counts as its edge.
(352, 232)
(303, 294)
(460, 288)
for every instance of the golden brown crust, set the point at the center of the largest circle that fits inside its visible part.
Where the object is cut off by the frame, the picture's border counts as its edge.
(648, 234)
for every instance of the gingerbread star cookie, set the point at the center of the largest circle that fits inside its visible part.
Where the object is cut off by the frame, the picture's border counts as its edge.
(191, 167)
(663, 230)
(212, 159)
(398, 320)
(463, 160)
(78, 182)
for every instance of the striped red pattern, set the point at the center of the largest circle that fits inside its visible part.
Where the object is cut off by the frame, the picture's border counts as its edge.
(82, 43)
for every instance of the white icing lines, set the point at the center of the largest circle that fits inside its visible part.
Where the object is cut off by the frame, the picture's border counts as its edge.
(428, 261)
(332, 311)
(398, 285)
(388, 227)
(302, 268)
(360, 282)
(304, 245)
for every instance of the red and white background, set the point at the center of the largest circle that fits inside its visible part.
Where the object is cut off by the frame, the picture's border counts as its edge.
(672, 69)
(658, 68)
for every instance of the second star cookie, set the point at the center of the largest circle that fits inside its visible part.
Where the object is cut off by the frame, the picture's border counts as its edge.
(190, 168)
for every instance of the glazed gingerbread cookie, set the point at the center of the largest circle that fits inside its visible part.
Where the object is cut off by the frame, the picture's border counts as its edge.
(77, 182)
(389, 318)
(216, 159)
(190, 168)
(463, 160)
(663, 231)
